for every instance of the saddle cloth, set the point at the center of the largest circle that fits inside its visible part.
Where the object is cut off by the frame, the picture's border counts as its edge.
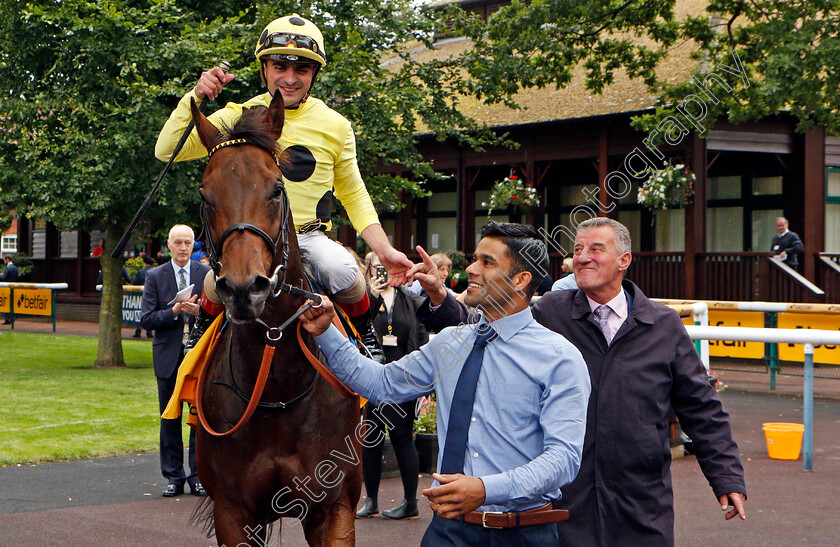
(188, 373)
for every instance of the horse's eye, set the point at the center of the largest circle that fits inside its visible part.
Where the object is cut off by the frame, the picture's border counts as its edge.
(279, 188)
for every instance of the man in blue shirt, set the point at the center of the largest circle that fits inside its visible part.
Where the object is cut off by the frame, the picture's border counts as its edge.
(512, 432)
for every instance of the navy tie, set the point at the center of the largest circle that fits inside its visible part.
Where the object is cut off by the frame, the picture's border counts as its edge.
(462, 404)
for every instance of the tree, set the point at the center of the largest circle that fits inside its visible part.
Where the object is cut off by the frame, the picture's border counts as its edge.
(81, 108)
(90, 84)
(789, 50)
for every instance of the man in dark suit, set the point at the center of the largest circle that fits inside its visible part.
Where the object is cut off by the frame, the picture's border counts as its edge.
(642, 364)
(9, 275)
(171, 323)
(787, 244)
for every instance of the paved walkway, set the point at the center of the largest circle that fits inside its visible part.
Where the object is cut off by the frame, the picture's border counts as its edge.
(116, 501)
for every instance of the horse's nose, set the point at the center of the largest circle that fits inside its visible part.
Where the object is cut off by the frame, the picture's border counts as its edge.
(252, 293)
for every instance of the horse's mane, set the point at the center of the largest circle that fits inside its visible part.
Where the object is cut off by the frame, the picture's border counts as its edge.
(252, 127)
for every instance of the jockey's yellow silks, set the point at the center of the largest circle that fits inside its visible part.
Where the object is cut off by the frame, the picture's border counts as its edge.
(322, 150)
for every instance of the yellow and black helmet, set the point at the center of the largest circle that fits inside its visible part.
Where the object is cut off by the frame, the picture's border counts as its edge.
(291, 38)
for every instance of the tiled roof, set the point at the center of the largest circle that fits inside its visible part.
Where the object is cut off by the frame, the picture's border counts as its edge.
(575, 101)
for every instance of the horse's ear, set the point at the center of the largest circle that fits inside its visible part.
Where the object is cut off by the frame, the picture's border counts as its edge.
(207, 132)
(276, 114)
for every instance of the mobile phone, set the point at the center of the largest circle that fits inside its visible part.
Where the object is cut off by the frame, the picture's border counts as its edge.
(382, 273)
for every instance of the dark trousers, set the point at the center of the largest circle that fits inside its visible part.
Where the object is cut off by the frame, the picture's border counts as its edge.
(171, 441)
(402, 441)
(445, 532)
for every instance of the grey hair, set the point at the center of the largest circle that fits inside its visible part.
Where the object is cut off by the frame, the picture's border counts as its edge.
(192, 233)
(622, 234)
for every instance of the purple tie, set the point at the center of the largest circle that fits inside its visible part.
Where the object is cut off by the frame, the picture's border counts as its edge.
(601, 315)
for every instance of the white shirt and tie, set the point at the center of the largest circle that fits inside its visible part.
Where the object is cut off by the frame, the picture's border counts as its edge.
(182, 280)
(611, 315)
(182, 275)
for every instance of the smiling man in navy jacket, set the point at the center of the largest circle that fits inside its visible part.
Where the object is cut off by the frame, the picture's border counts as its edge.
(642, 364)
(171, 323)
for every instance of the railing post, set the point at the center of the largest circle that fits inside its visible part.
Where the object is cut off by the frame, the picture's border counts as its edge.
(12, 307)
(52, 293)
(771, 351)
(808, 410)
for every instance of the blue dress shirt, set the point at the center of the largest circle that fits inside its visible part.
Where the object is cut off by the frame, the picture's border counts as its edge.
(529, 418)
(565, 283)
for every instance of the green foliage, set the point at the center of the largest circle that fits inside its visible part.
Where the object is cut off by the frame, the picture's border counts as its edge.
(459, 260)
(134, 265)
(789, 49)
(542, 43)
(426, 421)
(671, 185)
(23, 263)
(511, 192)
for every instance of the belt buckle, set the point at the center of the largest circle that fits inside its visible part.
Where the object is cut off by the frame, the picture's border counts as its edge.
(484, 519)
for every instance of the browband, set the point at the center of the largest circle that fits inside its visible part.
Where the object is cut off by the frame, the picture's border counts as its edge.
(231, 142)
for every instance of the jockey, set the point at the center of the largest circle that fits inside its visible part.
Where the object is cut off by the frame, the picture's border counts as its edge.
(322, 149)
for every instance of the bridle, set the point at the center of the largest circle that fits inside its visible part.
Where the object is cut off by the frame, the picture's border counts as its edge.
(273, 334)
(278, 284)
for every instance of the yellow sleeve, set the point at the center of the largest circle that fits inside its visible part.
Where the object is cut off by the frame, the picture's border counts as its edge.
(177, 123)
(350, 188)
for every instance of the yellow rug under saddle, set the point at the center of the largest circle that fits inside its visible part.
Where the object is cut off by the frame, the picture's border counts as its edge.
(188, 373)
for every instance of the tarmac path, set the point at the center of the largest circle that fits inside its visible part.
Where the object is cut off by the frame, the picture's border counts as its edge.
(116, 501)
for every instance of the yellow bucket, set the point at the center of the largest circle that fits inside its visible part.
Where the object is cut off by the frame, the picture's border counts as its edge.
(783, 440)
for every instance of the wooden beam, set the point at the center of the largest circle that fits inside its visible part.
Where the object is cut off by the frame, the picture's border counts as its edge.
(813, 231)
(402, 224)
(473, 177)
(467, 205)
(695, 219)
(604, 199)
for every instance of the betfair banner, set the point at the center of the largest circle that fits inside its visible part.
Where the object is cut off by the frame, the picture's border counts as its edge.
(822, 354)
(5, 299)
(33, 301)
(728, 348)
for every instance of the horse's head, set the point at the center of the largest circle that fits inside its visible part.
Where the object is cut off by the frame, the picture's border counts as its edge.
(247, 215)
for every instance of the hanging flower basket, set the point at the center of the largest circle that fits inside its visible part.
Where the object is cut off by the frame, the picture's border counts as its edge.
(511, 192)
(672, 185)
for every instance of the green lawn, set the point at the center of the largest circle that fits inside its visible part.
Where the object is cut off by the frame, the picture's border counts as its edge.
(56, 406)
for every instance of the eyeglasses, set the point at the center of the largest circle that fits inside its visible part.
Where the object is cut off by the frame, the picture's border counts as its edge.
(283, 39)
